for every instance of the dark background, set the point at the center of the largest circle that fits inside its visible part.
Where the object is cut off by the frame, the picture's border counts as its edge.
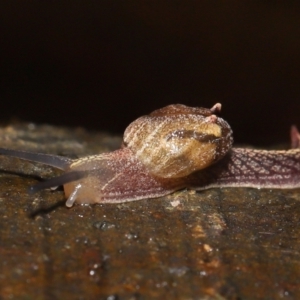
(101, 64)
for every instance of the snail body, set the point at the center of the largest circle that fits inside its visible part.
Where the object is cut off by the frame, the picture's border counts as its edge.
(172, 148)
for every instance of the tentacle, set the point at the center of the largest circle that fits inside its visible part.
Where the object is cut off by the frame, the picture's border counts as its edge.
(59, 162)
(59, 180)
(74, 195)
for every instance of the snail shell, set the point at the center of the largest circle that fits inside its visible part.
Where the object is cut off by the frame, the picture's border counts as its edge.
(178, 140)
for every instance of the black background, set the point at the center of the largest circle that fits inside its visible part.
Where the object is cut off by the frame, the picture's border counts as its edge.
(101, 64)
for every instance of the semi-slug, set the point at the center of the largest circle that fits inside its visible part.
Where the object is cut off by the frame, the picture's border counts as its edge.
(172, 148)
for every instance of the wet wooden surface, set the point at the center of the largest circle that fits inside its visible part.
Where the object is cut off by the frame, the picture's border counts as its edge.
(218, 244)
